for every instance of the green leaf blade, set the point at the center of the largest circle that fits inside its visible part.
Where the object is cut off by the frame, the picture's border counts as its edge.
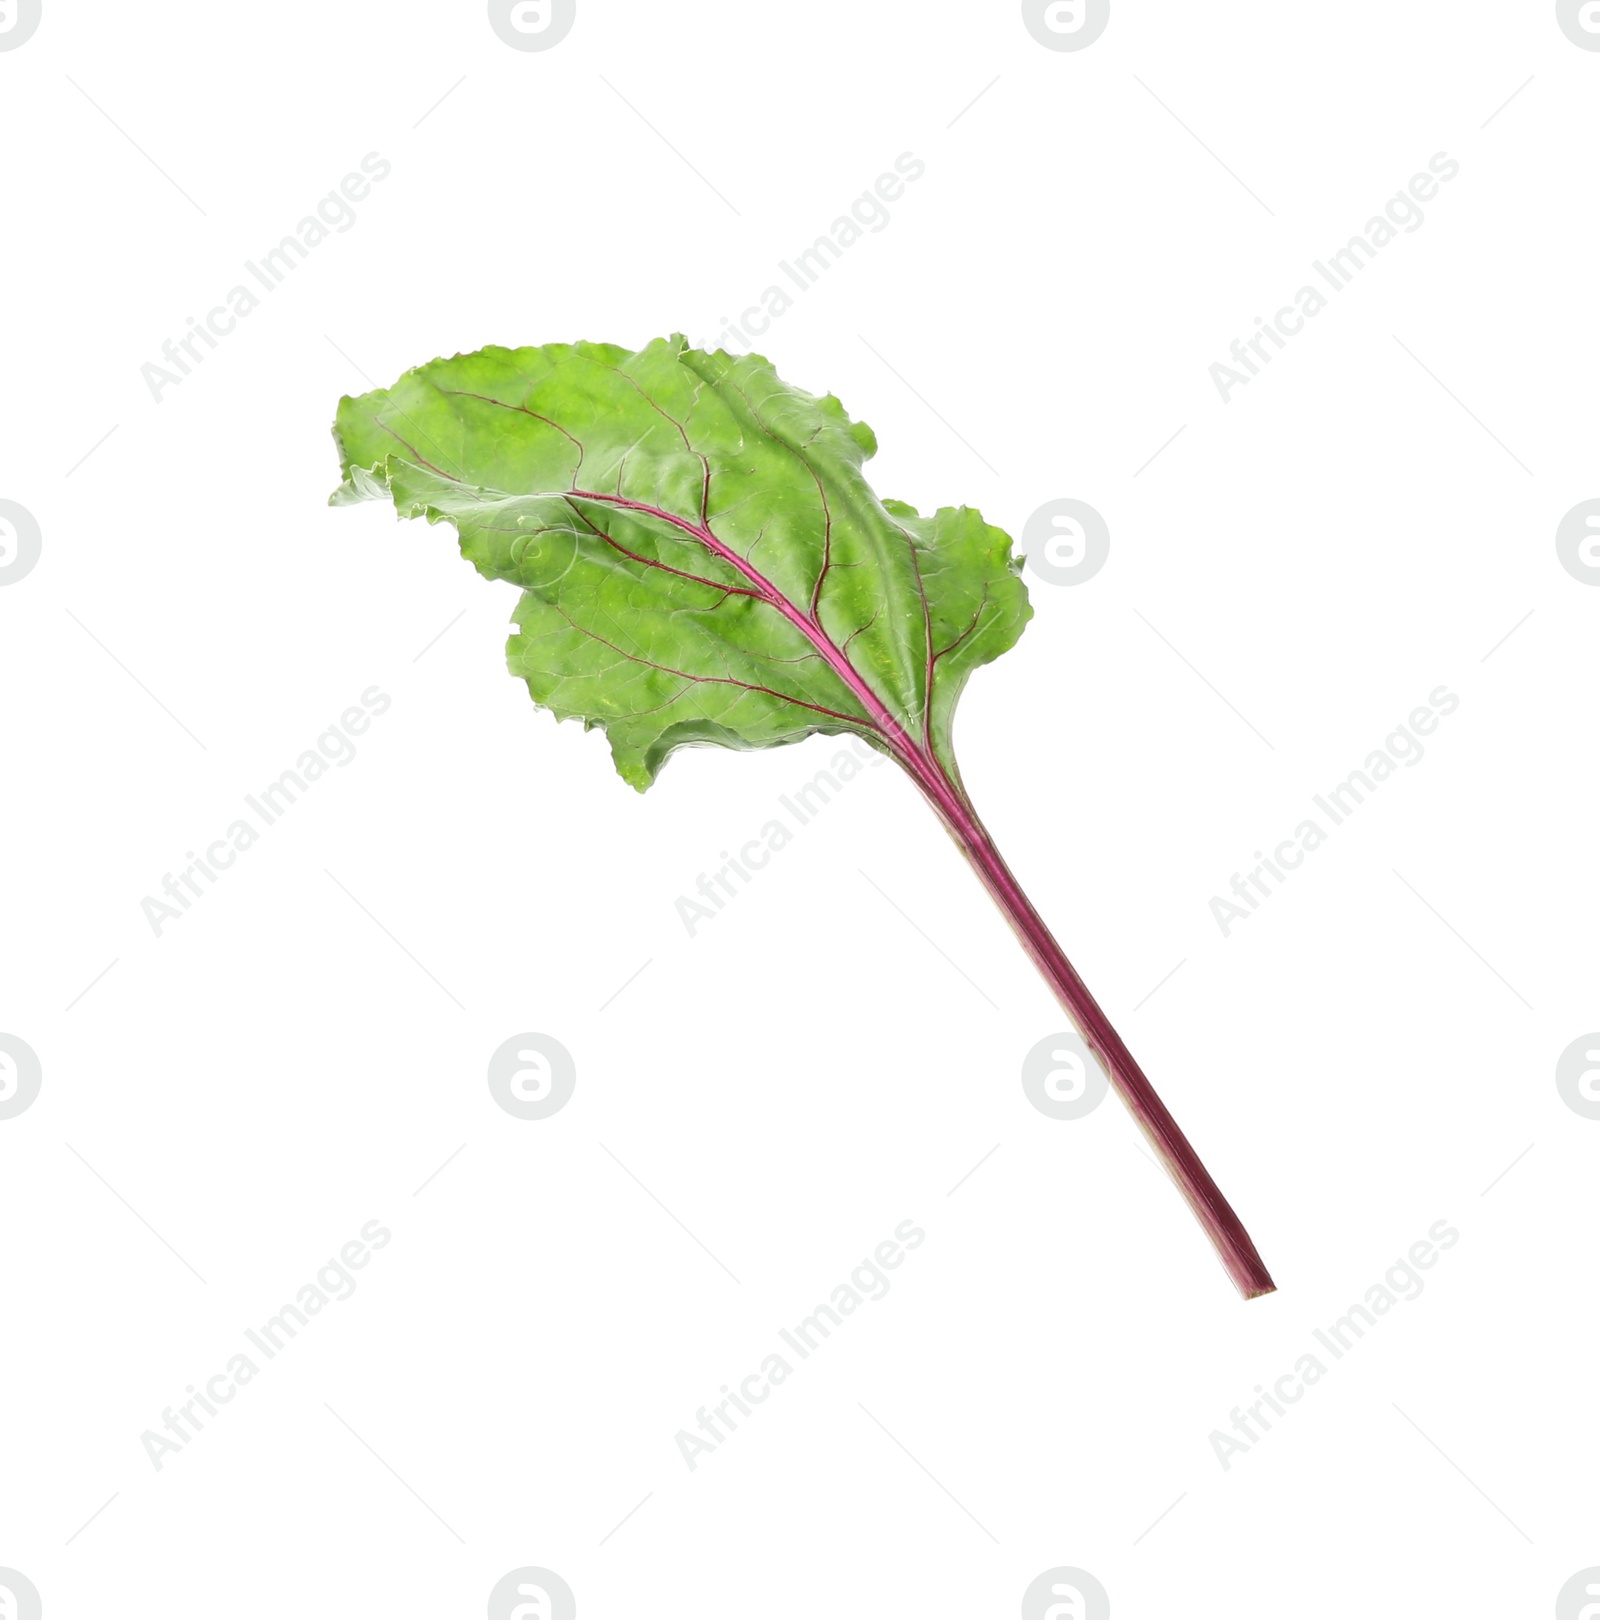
(701, 556)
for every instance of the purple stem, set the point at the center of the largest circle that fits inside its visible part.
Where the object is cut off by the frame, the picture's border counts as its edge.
(1214, 1213)
(1211, 1209)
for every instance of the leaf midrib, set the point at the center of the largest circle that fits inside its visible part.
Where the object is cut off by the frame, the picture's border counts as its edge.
(766, 591)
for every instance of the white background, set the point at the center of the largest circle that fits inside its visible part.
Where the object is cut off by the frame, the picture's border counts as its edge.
(275, 1070)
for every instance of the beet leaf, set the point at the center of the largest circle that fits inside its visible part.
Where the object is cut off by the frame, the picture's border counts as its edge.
(703, 562)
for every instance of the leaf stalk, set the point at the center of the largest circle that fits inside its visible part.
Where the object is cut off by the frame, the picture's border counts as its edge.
(1173, 1150)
